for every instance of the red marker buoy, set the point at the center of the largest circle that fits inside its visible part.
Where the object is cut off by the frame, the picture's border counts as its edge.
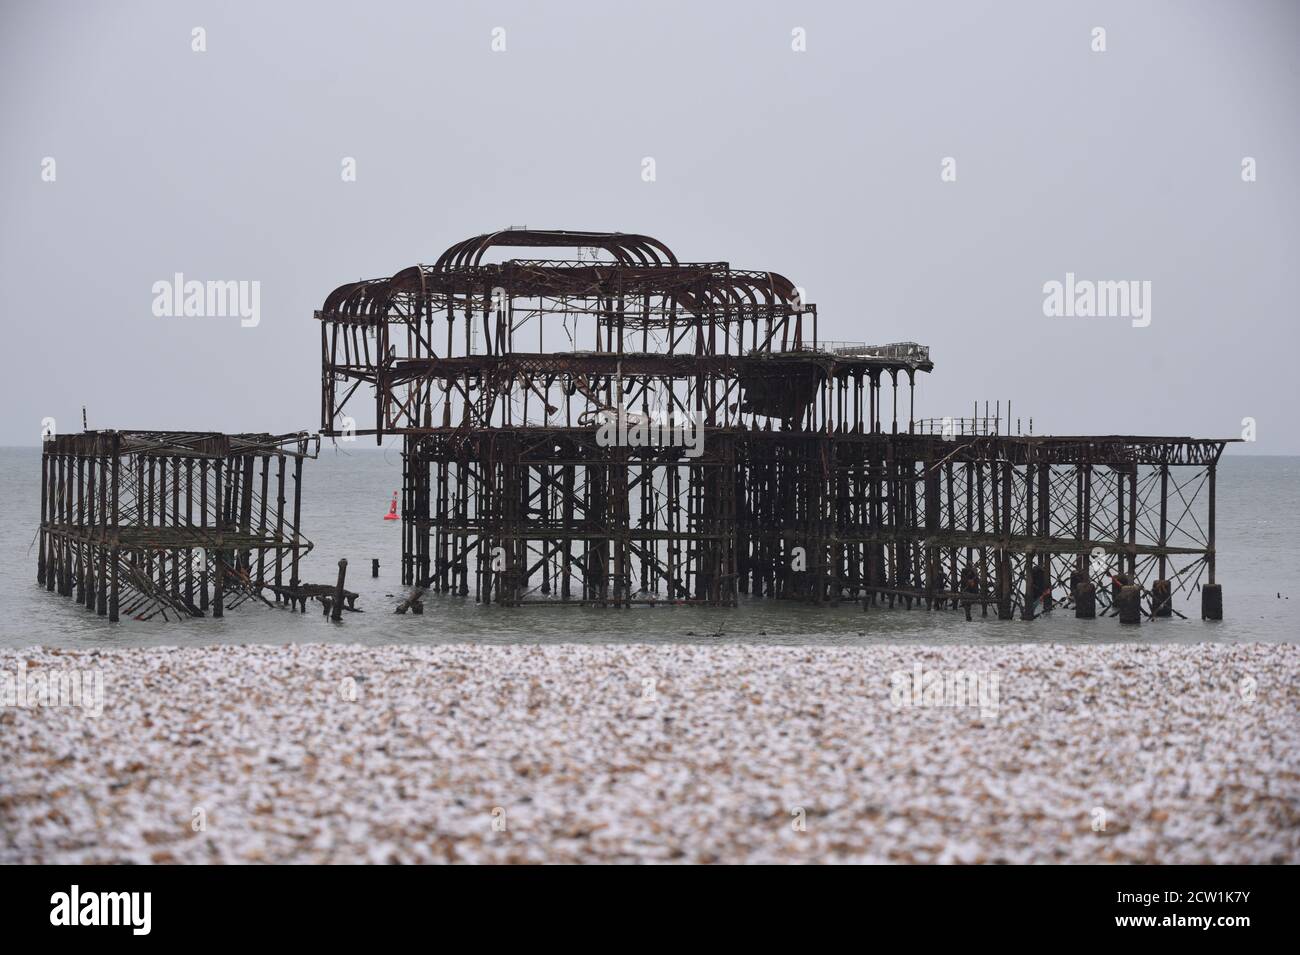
(392, 510)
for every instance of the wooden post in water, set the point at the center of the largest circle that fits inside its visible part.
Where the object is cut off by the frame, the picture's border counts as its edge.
(336, 612)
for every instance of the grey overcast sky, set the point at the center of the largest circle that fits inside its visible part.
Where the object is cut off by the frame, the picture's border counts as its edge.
(823, 165)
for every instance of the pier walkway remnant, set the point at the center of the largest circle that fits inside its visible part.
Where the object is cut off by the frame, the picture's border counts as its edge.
(171, 523)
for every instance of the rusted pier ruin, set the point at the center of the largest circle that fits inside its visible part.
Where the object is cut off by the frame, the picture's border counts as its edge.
(518, 385)
(171, 524)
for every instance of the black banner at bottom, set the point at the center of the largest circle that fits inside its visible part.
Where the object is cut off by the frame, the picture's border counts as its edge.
(305, 904)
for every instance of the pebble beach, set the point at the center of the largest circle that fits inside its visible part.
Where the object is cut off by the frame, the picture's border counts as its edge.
(731, 753)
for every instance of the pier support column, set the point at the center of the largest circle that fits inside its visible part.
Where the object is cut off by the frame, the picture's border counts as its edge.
(101, 591)
(1004, 587)
(1130, 604)
(112, 585)
(219, 585)
(1027, 611)
(1162, 602)
(1212, 602)
(1085, 601)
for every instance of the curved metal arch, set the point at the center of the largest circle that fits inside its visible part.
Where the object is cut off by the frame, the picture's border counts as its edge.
(359, 299)
(374, 297)
(627, 248)
(767, 288)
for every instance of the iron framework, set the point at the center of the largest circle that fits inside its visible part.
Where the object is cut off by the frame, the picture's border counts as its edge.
(810, 483)
(152, 523)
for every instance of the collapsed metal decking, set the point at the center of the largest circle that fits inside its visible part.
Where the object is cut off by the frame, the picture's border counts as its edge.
(810, 484)
(151, 523)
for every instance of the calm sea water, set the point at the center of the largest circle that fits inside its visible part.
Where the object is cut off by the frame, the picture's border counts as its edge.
(347, 494)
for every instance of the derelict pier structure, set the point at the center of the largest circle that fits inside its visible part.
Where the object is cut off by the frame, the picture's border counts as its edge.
(546, 404)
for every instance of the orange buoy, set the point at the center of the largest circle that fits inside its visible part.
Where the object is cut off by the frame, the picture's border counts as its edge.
(392, 510)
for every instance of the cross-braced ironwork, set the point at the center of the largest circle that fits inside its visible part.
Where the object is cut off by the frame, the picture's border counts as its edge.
(170, 524)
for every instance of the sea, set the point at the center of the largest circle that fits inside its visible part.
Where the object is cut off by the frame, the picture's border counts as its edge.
(346, 493)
